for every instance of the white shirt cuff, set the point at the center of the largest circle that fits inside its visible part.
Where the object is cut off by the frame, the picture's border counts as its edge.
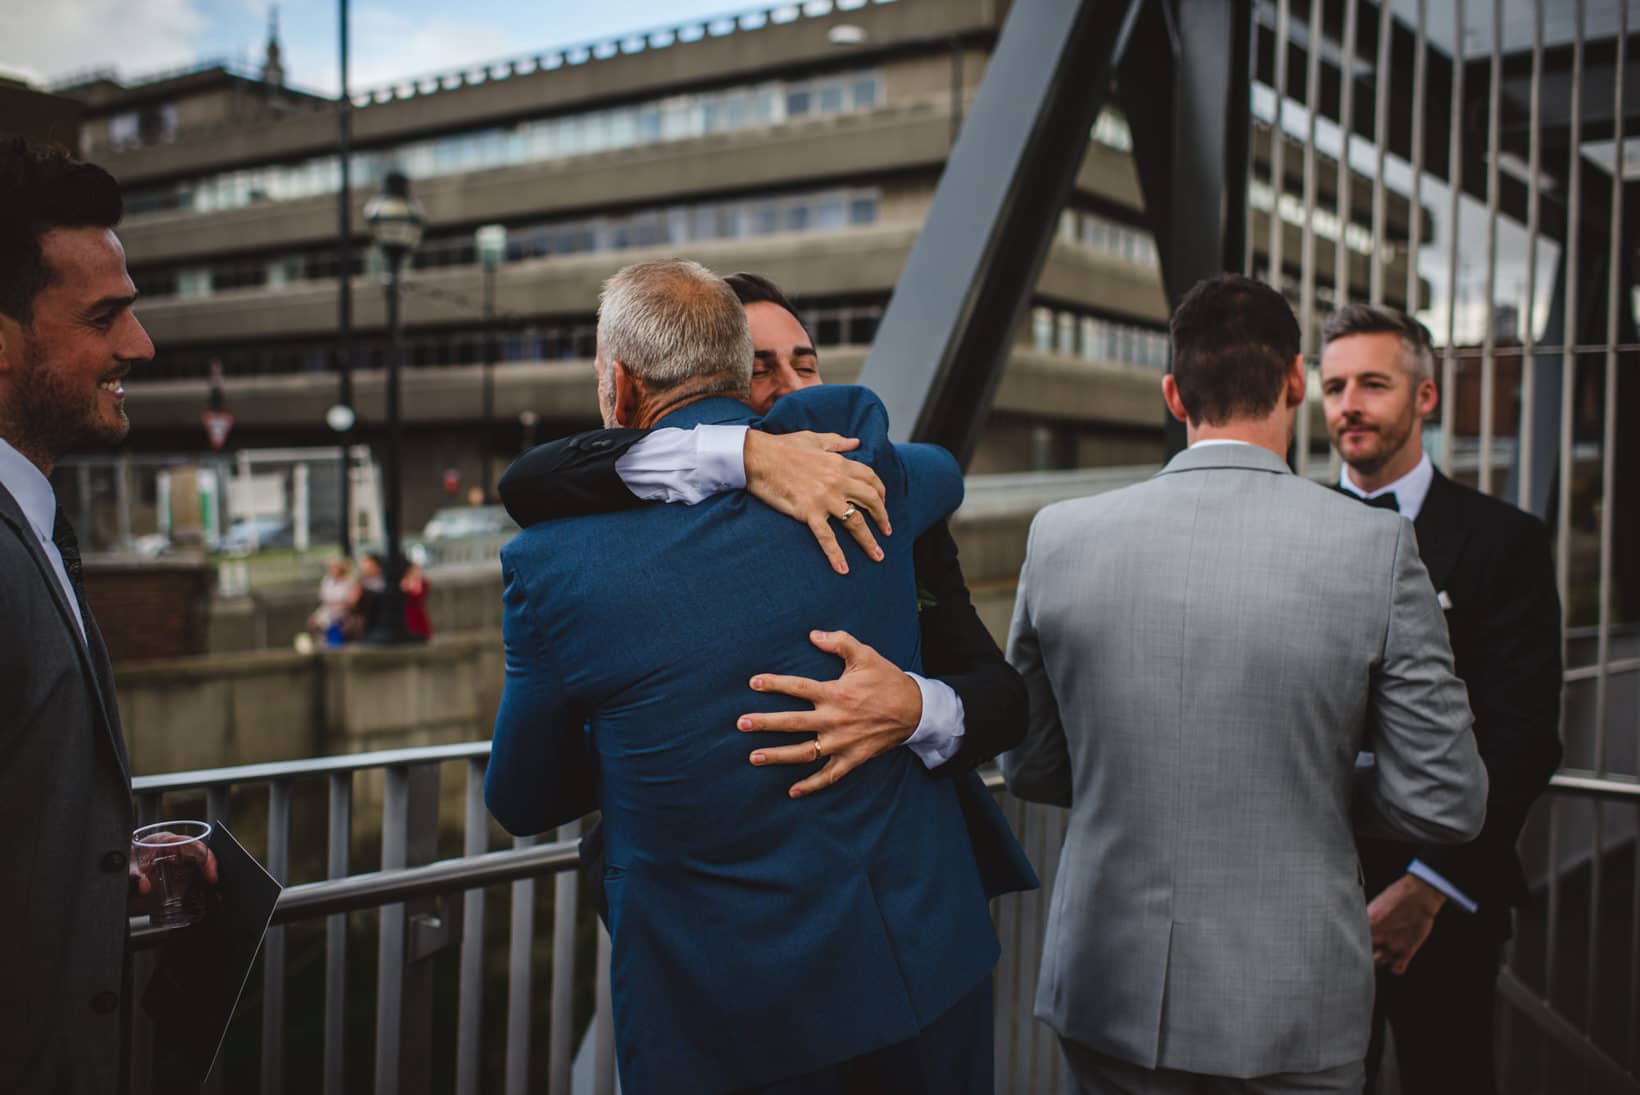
(1424, 871)
(672, 465)
(939, 735)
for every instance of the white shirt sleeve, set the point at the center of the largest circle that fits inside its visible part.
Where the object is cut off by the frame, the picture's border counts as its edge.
(939, 735)
(672, 465)
(1424, 871)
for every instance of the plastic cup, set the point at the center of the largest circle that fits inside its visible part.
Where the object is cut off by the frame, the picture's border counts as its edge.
(172, 854)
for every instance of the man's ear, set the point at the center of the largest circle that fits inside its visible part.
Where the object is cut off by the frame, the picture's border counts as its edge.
(1297, 382)
(1170, 394)
(628, 396)
(1426, 398)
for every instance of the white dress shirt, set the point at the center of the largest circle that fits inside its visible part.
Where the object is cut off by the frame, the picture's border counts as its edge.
(673, 465)
(1410, 491)
(38, 501)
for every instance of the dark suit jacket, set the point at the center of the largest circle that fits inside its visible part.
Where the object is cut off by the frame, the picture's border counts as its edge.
(1492, 563)
(576, 476)
(66, 816)
(754, 936)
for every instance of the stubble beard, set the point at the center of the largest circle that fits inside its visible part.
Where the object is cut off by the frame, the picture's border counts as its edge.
(48, 417)
(1392, 438)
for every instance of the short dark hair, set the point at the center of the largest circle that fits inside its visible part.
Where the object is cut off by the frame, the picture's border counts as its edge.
(43, 187)
(1417, 345)
(757, 289)
(1233, 341)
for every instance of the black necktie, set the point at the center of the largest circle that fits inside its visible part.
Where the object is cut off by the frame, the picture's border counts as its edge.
(1384, 501)
(68, 545)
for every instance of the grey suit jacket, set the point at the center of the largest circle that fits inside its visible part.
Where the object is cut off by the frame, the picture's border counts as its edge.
(65, 824)
(1206, 653)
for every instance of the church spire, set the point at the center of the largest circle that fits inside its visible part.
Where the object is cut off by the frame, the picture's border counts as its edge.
(273, 69)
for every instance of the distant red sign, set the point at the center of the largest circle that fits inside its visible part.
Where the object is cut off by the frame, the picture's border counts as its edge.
(217, 426)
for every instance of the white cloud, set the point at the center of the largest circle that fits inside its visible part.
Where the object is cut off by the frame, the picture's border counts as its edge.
(388, 45)
(46, 40)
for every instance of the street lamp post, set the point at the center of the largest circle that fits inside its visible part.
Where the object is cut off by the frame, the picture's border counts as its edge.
(395, 226)
(344, 282)
(491, 241)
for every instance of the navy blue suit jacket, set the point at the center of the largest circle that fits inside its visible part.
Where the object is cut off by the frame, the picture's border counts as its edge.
(754, 936)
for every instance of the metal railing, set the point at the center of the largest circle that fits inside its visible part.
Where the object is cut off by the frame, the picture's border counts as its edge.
(1589, 1010)
(417, 920)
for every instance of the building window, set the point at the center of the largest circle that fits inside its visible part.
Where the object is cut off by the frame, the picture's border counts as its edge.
(123, 130)
(1093, 338)
(677, 117)
(194, 281)
(1042, 330)
(1065, 334)
(821, 211)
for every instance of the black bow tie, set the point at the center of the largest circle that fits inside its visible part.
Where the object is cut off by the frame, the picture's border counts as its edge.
(1383, 501)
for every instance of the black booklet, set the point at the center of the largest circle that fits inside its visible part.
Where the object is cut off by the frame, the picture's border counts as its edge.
(201, 969)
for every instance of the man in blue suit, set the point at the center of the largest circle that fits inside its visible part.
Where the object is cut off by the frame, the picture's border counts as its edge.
(761, 943)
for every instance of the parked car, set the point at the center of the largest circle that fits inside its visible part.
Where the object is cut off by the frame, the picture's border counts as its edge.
(466, 522)
(257, 533)
(456, 534)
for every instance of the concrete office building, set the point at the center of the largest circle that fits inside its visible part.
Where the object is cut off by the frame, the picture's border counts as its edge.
(805, 147)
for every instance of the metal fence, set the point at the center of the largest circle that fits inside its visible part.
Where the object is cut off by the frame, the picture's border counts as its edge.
(429, 910)
(425, 907)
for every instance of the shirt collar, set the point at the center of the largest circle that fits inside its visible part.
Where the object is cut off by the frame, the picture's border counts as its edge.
(31, 489)
(1217, 441)
(1410, 490)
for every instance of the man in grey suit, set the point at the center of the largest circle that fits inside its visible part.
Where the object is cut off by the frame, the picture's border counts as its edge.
(1206, 654)
(67, 337)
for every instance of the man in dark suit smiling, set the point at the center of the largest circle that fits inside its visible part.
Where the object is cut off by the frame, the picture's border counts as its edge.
(67, 338)
(1440, 916)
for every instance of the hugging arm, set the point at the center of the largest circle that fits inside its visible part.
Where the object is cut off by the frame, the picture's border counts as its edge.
(799, 474)
(542, 771)
(958, 652)
(570, 477)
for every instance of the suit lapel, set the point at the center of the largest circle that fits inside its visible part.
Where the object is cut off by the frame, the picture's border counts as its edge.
(1440, 530)
(93, 654)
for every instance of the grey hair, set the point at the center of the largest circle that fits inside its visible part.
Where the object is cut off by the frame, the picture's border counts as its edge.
(1417, 347)
(671, 321)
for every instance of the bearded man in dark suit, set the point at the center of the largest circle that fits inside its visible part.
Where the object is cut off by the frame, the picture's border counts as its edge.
(1440, 916)
(67, 337)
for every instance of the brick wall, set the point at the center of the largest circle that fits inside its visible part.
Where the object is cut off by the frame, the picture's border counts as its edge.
(149, 608)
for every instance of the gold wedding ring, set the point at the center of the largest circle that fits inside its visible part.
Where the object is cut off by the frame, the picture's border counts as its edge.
(817, 753)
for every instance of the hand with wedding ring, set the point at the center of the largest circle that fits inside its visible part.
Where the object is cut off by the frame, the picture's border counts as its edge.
(872, 708)
(803, 476)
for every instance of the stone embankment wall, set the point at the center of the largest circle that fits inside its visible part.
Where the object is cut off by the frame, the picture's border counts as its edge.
(228, 709)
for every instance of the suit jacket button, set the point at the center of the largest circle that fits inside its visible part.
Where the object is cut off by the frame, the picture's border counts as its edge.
(113, 862)
(105, 1003)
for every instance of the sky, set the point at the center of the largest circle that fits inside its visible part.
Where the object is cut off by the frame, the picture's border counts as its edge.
(46, 41)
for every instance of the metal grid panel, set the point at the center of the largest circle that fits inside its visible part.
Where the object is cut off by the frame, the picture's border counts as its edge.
(1514, 215)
